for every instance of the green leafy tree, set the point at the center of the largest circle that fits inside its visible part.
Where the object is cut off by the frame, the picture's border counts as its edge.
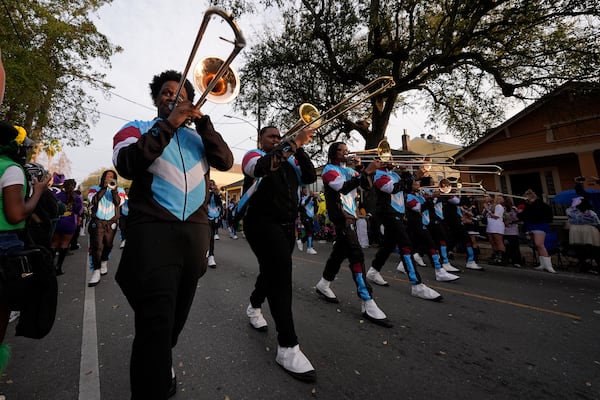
(48, 48)
(462, 62)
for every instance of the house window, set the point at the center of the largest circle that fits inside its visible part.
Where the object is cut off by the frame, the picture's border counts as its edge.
(549, 178)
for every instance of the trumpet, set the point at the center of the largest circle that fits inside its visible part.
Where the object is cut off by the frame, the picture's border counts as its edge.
(310, 116)
(216, 80)
(112, 185)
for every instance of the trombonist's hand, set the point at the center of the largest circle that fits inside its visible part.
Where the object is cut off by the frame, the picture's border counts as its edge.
(373, 166)
(304, 136)
(182, 112)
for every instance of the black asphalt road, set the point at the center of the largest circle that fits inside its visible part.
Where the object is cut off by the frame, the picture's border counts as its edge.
(504, 333)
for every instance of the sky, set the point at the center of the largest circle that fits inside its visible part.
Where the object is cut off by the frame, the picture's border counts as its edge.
(159, 35)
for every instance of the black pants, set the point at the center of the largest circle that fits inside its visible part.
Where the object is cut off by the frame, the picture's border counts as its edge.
(513, 250)
(273, 243)
(347, 246)
(102, 234)
(158, 273)
(214, 229)
(309, 227)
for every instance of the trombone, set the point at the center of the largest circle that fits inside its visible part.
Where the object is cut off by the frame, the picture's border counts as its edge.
(218, 82)
(384, 154)
(309, 115)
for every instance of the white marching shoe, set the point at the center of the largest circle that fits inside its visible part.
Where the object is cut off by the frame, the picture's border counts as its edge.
(217, 237)
(375, 276)
(423, 292)
(103, 267)
(295, 363)
(473, 265)
(400, 268)
(444, 276)
(546, 265)
(299, 244)
(419, 260)
(95, 279)
(211, 262)
(257, 321)
(310, 250)
(450, 268)
(324, 291)
(371, 312)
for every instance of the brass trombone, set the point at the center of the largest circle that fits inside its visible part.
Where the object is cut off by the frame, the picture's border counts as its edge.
(218, 82)
(309, 115)
(384, 154)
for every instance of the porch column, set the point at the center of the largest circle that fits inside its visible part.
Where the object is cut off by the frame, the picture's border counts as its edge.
(587, 166)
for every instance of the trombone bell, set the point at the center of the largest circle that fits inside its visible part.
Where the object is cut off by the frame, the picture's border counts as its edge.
(309, 118)
(384, 151)
(310, 115)
(227, 86)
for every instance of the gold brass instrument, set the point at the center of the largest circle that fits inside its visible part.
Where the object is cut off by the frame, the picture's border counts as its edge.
(384, 154)
(216, 80)
(311, 117)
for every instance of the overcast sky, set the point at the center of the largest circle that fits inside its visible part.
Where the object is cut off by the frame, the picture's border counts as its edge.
(159, 35)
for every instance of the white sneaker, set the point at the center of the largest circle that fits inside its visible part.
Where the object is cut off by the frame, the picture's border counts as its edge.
(374, 276)
(419, 260)
(295, 363)
(235, 237)
(122, 244)
(448, 267)
(473, 265)
(310, 250)
(324, 291)
(95, 279)
(400, 268)
(299, 244)
(217, 236)
(14, 315)
(103, 267)
(374, 314)
(444, 276)
(257, 321)
(211, 261)
(423, 292)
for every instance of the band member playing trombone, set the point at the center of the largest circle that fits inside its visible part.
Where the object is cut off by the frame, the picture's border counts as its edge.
(419, 217)
(105, 201)
(453, 220)
(390, 209)
(341, 183)
(168, 230)
(272, 176)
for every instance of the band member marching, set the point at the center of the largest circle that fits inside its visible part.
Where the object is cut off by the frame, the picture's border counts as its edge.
(341, 183)
(390, 188)
(453, 220)
(418, 216)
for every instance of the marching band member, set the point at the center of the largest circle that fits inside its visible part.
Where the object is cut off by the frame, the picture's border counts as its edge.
(436, 225)
(272, 176)
(167, 228)
(341, 183)
(307, 216)
(453, 219)
(418, 216)
(390, 208)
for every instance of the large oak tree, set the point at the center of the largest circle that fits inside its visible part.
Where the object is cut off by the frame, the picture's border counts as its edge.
(51, 50)
(462, 62)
